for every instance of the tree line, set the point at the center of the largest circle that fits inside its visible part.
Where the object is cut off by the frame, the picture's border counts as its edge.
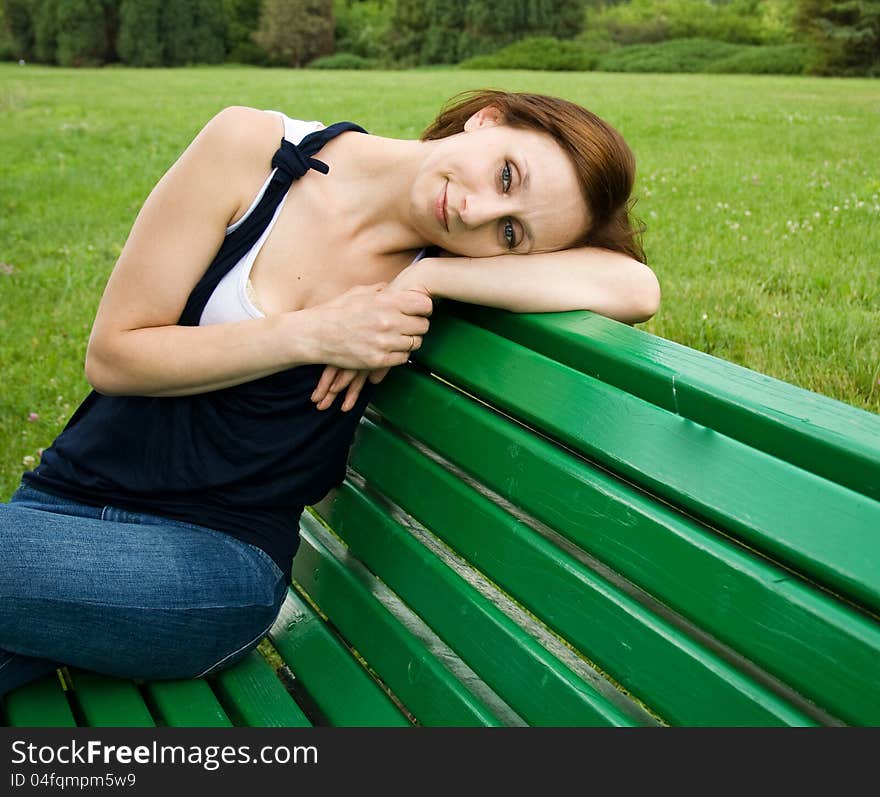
(278, 32)
(844, 35)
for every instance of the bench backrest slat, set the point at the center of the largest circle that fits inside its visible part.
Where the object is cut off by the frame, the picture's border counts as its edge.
(819, 434)
(771, 505)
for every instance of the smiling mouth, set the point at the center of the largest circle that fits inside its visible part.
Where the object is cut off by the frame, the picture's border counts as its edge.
(440, 208)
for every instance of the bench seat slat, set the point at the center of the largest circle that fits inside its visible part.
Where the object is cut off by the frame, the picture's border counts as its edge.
(108, 702)
(186, 704)
(417, 678)
(333, 679)
(827, 437)
(773, 506)
(255, 697)
(40, 703)
(684, 684)
(824, 648)
(541, 689)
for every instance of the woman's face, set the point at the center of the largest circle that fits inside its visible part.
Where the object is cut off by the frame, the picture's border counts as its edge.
(495, 189)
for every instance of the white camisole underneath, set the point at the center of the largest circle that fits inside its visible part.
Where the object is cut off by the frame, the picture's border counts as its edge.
(232, 298)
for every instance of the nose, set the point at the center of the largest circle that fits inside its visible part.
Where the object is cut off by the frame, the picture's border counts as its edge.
(477, 209)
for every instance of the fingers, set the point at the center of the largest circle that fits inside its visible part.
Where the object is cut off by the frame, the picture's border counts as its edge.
(352, 382)
(342, 379)
(327, 377)
(378, 376)
(406, 344)
(410, 302)
(411, 334)
(417, 303)
(370, 327)
(413, 342)
(354, 390)
(418, 326)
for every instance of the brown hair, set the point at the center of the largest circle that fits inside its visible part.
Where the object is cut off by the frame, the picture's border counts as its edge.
(604, 162)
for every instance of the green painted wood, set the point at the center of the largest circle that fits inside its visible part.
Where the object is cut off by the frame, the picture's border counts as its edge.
(186, 704)
(541, 689)
(816, 527)
(109, 702)
(822, 435)
(255, 697)
(340, 687)
(40, 704)
(417, 678)
(681, 681)
(824, 648)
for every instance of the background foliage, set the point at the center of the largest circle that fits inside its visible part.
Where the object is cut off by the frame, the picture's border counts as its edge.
(832, 37)
(294, 32)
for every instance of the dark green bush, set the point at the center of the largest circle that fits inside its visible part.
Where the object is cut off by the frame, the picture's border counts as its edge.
(242, 18)
(8, 50)
(362, 27)
(784, 59)
(45, 19)
(82, 38)
(18, 28)
(295, 32)
(539, 52)
(342, 61)
(844, 36)
(139, 42)
(448, 31)
(676, 55)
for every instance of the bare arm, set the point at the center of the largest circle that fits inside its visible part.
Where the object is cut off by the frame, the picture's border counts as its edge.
(136, 346)
(608, 283)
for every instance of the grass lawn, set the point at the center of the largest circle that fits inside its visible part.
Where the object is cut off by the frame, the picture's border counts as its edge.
(761, 196)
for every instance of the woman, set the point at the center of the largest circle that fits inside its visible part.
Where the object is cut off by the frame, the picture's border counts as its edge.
(258, 284)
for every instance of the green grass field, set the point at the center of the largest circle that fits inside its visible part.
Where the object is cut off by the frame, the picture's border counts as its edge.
(761, 196)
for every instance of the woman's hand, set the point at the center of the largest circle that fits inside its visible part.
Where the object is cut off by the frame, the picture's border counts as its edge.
(371, 327)
(394, 350)
(334, 379)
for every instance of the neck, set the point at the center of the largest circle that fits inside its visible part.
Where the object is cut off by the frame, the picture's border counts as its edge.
(372, 181)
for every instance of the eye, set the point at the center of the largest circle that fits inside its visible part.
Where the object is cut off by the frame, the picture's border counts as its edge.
(509, 234)
(506, 177)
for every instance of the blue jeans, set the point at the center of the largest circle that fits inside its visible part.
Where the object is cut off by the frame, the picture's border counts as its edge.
(125, 594)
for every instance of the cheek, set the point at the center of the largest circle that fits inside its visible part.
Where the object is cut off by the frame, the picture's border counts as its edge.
(475, 243)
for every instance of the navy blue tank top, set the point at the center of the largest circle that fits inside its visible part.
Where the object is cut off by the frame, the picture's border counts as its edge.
(244, 460)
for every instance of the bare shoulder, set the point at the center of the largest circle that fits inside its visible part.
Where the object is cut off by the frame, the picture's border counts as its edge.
(183, 221)
(242, 135)
(236, 146)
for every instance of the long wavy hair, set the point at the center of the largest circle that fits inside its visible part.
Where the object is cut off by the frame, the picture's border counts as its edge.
(605, 164)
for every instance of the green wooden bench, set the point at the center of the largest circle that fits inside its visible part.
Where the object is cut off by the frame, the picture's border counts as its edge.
(562, 520)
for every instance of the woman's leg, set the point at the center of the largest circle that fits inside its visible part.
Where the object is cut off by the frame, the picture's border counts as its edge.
(126, 594)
